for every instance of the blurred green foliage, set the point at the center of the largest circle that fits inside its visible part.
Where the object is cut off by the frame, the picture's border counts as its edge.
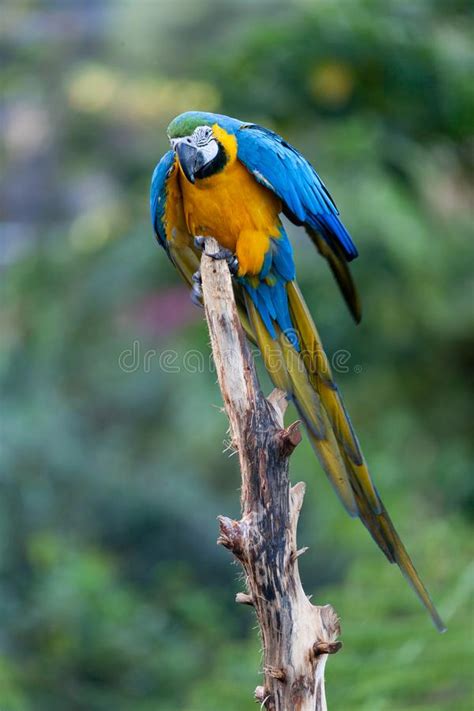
(113, 594)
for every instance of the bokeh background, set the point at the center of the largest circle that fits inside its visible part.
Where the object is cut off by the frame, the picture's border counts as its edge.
(113, 593)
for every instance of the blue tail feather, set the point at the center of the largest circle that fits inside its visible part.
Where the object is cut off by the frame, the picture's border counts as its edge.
(333, 230)
(269, 295)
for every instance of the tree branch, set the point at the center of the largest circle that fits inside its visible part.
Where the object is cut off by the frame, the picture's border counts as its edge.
(297, 636)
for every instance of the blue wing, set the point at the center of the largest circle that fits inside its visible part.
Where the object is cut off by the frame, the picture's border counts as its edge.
(158, 196)
(280, 167)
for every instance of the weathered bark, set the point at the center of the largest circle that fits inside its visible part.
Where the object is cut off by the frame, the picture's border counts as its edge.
(296, 635)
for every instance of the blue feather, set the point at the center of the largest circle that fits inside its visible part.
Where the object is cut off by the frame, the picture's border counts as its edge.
(262, 307)
(282, 259)
(280, 167)
(158, 196)
(267, 264)
(269, 296)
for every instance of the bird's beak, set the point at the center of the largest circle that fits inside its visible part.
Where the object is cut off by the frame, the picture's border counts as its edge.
(188, 156)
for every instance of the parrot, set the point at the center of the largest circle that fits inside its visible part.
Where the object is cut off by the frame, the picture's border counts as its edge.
(233, 180)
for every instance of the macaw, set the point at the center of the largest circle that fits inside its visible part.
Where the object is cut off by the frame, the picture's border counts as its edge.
(232, 180)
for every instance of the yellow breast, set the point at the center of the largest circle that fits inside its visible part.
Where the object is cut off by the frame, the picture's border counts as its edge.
(229, 203)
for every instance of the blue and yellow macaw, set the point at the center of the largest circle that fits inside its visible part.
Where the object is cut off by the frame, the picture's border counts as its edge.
(232, 180)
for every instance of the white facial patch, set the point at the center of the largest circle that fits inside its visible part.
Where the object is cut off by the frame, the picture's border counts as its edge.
(203, 139)
(202, 135)
(209, 151)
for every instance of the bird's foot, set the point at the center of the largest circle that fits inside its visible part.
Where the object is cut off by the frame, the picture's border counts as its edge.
(196, 290)
(230, 258)
(222, 253)
(200, 243)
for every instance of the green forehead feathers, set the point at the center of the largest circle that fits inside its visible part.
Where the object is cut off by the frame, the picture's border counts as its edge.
(185, 125)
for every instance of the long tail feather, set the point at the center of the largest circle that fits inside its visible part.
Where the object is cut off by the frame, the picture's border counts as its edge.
(288, 372)
(338, 264)
(306, 376)
(383, 532)
(322, 381)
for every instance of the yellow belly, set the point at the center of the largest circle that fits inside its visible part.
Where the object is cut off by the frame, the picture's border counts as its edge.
(239, 212)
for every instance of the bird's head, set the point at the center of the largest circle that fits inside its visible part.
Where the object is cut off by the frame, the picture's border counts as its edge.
(203, 145)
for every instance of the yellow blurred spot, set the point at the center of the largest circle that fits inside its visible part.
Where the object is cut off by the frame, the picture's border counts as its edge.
(332, 83)
(149, 99)
(92, 88)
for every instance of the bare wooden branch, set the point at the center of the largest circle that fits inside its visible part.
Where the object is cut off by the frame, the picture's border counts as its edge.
(244, 599)
(297, 636)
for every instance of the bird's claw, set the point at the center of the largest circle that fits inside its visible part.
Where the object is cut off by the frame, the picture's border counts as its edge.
(196, 289)
(222, 253)
(200, 243)
(233, 265)
(230, 258)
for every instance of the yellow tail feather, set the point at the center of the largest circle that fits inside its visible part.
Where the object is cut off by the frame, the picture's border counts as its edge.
(321, 379)
(288, 372)
(306, 377)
